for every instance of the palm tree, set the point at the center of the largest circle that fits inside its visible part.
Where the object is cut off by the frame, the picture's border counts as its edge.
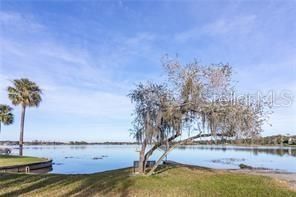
(26, 94)
(6, 116)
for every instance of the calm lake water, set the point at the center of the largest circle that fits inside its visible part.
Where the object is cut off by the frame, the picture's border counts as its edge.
(97, 158)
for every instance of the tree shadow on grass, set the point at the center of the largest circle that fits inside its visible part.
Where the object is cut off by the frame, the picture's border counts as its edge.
(189, 166)
(115, 182)
(33, 183)
(110, 183)
(8, 180)
(162, 168)
(165, 167)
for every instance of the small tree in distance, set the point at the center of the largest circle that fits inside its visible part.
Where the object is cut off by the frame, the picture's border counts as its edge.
(6, 116)
(193, 101)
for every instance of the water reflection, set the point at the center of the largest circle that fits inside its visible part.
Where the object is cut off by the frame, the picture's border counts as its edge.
(280, 151)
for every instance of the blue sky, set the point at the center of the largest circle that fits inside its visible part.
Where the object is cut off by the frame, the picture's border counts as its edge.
(88, 55)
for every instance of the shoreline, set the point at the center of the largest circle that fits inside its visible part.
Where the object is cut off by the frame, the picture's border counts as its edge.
(24, 164)
(190, 180)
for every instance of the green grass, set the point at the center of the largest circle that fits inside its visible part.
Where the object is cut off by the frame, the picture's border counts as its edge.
(177, 181)
(10, 160)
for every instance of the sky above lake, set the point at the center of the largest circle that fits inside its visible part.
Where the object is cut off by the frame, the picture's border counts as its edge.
(88, 55)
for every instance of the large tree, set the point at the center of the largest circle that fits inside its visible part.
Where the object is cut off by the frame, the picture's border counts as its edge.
(26, 94)
(6, 116)
(193, 102)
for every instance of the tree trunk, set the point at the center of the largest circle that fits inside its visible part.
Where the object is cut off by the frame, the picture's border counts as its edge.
(142, 166)
(21, 142)
(174, 146)
(161, 158)
(156, 146)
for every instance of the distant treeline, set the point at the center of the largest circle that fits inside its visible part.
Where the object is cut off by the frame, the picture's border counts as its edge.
(280, 140)
(95, 143)
(39, 142)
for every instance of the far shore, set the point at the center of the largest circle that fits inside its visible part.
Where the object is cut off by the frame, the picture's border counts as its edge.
(10, 144)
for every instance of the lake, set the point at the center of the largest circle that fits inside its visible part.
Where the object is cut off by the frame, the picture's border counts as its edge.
(97, 158)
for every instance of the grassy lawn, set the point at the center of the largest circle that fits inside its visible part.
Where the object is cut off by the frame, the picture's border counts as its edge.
(173, 181)
(9, 160)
